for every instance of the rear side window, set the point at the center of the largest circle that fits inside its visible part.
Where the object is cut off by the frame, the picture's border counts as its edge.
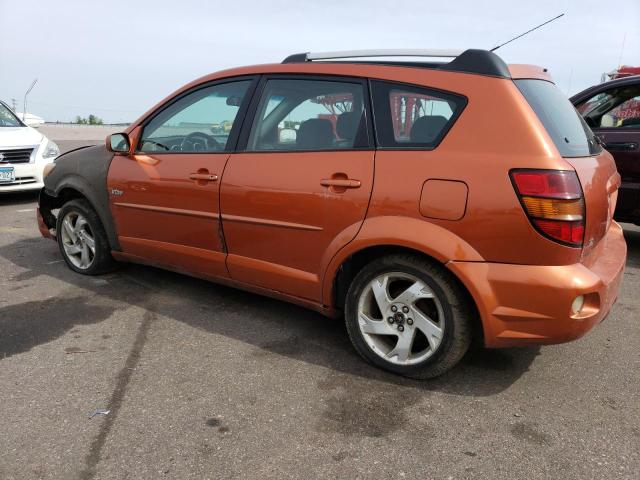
(568, 130)
(413, 117)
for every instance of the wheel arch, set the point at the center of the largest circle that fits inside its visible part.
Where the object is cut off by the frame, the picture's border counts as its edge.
(76, 187)
(355, 262)
(376, 238)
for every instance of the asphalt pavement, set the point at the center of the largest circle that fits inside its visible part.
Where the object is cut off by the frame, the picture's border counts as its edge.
(206, 382)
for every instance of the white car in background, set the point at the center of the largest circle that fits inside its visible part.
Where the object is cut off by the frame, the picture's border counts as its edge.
(24, 152)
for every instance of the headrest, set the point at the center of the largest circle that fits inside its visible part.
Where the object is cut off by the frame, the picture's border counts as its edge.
(315, 133)
(426, 129)
(347, 125)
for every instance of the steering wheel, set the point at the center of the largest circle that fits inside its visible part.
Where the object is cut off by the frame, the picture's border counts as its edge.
(199, 142)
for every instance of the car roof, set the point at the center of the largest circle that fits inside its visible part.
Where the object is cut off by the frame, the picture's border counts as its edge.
(364, 69)
(402, 72)
(619, 82)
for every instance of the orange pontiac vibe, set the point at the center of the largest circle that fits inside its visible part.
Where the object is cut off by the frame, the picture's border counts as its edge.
(426, 201)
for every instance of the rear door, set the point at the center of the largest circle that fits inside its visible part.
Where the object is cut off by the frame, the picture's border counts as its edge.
(164, 198)
(614, 116)
(300, 187)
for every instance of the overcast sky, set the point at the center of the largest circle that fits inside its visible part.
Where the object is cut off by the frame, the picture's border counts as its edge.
(116, 59)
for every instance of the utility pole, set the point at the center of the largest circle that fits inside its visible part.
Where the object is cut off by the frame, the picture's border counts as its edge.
(24, 110)
(14, 104)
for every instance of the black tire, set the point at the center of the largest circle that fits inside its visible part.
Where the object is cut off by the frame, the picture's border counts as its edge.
(102, 261)
(457, 313)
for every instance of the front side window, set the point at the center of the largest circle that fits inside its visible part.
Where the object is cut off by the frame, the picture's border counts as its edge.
(8, 118)
(309, 115)
(201, 121)
(617, 108)
(413, 117)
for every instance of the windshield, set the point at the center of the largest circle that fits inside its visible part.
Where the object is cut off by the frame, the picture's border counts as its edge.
(8, 118)
(568, 130)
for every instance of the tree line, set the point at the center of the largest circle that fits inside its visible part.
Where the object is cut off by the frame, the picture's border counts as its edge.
(90, 120)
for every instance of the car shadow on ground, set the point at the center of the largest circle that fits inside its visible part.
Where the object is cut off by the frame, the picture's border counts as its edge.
(632, 236)
(19, 198)
(272, 327)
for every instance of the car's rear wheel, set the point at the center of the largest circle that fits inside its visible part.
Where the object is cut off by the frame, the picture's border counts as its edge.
(408, 315)
(82, 239)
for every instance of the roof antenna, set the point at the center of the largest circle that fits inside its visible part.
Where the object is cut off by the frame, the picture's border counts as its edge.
(528, 31)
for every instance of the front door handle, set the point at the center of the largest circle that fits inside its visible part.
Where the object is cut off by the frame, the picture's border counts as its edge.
(340, 182)
(621, 146)
(207, 177)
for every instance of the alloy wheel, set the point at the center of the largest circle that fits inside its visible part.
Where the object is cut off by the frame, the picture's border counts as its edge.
(78, 240)
(401, 318)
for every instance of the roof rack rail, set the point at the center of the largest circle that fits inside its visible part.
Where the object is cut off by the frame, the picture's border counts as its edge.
(481, 62)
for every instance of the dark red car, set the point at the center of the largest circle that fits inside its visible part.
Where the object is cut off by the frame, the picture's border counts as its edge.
(612, 110)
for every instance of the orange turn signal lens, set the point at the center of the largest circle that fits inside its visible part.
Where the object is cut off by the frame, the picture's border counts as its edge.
(554, 208)
(47, 169)
(553, 201)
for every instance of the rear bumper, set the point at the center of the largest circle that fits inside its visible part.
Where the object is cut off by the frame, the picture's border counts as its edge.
(531, 304)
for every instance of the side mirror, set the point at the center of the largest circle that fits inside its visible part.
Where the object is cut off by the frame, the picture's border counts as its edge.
(234, 101)
(118, 143)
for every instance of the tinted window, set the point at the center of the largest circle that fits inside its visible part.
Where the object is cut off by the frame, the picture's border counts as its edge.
(199, 122)
(309, 115)
(7, 118)
(616, 108)
(413, 117)
(568, 130)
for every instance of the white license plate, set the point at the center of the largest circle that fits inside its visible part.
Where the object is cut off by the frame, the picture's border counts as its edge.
(7, 174)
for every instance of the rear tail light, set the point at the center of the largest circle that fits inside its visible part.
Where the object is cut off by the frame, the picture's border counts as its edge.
(553, 201)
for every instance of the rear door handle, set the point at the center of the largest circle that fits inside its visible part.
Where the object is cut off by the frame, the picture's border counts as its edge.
(208, 177)
(621, 146)
(340, 182)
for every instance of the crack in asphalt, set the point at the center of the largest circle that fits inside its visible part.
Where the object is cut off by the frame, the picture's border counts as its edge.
(117, 397)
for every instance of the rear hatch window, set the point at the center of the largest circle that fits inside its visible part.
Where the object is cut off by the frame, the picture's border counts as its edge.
(569, 132)
(577, 144)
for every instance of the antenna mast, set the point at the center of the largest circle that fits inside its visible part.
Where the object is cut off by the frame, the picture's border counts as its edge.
(528, 31)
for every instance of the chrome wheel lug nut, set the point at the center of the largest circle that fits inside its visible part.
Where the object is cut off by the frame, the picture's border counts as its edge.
(400, 328)
(405, 309)
(394, 308)
(409, 321)
(390, 319)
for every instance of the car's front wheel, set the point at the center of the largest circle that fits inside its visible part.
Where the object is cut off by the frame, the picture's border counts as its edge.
(409, 316)
(82, 239)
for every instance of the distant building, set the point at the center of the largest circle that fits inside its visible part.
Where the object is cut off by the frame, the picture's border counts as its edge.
(623, 71)
(30, 119)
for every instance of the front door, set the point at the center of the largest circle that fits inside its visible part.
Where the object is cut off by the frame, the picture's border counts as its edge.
(614, 116)
(164, 198)
(300, 189)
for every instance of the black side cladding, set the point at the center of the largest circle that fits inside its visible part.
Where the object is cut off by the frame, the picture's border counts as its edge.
(84, 170)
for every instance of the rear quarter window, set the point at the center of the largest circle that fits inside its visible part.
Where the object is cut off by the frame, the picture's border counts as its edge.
(410, 117)
(566, 127)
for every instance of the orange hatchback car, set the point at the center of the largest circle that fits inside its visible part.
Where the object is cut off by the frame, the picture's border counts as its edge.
(427, 201)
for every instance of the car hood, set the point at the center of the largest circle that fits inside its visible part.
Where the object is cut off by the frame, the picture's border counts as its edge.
(19, 137)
